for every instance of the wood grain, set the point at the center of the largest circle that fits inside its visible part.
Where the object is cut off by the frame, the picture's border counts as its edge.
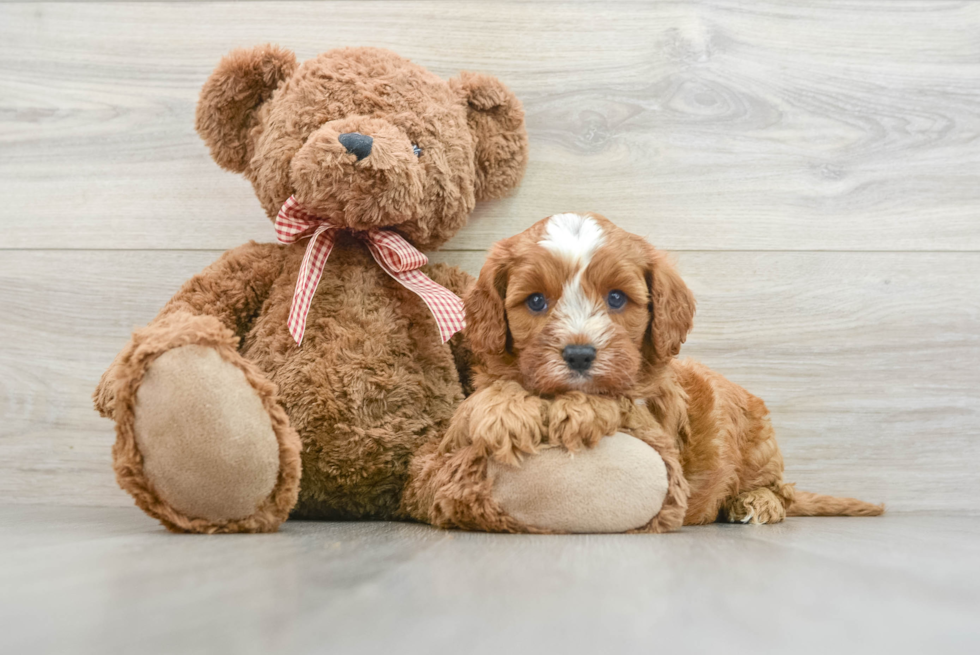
(867, 361)
(706, 125)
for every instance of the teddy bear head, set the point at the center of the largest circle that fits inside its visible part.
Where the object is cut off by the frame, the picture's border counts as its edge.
(364, 138)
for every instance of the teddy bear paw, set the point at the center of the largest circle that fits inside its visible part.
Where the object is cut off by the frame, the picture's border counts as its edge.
(207, 442)
(619, 485)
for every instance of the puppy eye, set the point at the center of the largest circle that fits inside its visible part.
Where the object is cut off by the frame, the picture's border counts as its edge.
(616, 299)
(416, 150)
(536, 302)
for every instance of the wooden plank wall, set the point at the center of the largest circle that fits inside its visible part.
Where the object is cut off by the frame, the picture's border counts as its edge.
(813, 166)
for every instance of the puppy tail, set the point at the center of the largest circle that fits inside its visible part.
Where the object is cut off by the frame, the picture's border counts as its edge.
(806, 503)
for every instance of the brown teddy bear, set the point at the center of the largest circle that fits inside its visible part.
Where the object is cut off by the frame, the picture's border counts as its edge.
(327, 356)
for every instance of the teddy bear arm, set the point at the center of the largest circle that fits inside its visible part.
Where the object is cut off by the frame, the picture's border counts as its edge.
(231, 290)
(202, 443)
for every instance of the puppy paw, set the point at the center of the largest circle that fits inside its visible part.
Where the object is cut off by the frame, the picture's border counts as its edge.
(755, 506)
(576, 420)
(503, 419)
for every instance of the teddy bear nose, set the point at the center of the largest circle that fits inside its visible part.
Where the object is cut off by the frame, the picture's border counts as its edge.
(579, 358)
(356, 143)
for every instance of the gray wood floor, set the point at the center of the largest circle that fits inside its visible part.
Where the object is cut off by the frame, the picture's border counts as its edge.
(109, 580)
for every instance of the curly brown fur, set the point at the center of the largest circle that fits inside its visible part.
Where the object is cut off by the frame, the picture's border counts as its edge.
(805, 503)
(727, 446)
(243, 80)
(372, 381)
(642, 425)
(577, 420)
(232, 290)
(496, 120)
(362, 405)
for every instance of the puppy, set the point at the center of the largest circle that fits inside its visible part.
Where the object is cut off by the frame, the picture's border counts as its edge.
(578, 314)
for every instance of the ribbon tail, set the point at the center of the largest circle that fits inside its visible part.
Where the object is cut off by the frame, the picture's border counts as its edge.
(310, 272)
(446, 306)
(402, 261)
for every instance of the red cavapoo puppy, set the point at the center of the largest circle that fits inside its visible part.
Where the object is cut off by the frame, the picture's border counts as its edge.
(575, 306)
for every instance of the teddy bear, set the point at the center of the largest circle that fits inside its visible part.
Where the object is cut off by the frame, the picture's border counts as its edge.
(299, 378)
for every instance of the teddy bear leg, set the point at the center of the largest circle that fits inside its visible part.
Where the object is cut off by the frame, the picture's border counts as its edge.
(202, 444)
(619, 485)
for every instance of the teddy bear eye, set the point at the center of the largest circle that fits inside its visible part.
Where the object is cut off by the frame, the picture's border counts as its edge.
(417, 150)
(536, 302)
(616, 299)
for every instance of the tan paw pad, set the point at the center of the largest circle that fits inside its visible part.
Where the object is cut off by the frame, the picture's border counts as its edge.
(208, 446)
(617, 486)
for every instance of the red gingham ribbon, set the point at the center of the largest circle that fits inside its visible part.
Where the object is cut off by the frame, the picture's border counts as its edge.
(399, 259)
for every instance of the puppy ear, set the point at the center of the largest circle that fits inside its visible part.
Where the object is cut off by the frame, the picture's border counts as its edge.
(496, 121)
(486, 318)
(243, 80)
(671, 307)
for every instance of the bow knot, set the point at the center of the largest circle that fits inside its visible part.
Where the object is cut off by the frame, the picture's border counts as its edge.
(396, 256)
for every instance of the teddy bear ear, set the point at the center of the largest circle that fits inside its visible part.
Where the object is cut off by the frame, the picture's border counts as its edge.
(496, 120)
(243, 80)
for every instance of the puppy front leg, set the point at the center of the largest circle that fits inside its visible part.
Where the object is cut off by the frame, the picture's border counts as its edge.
(576, 420)
(503, 419)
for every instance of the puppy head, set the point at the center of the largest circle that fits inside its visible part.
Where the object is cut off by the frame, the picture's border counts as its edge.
(576, 303)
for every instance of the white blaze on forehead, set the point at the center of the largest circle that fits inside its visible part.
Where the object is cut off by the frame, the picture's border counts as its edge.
(580, 315)
(572, 237)
(575, 239)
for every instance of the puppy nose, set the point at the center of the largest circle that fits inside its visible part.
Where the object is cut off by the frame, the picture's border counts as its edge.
(579, 358)
(356, 143)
